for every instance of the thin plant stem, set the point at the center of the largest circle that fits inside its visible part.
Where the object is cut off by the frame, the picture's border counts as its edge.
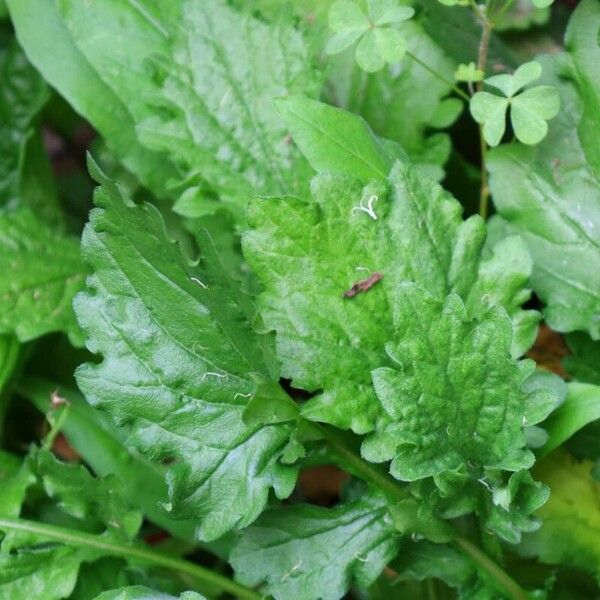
(441, 77)
(484, 44)
(505, 581)
(134, 552)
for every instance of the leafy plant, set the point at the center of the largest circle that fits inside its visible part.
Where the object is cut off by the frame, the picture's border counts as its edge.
(255, 340)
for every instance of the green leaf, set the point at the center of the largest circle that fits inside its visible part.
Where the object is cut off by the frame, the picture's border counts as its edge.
(530, 110)
(346, 15)
(50, 47)
(469, 73)
(490, 111)
(308, 255)
(10, 354)
(29, 566)
(311, 553)
(41, 272)
(571, 518)
(550, 195)
(181, 383)
(584, 362)
(581, 407)
(453, 398)
(334, 140)
(198, 90)
(22, 96)
(386, 99)
(509, 85)
(139, 592)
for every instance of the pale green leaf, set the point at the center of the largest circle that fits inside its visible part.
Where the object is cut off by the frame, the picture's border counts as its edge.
(550, 194)
(490, 111)
(510, 84)
(346, 15)
(41, 272)
(388, 12)
(390, 44)
(581, 407)
(468, 72)
(181, 379)
(570, 519)
(311, 553)
(342, 40)
(530, 110)
(369, 56)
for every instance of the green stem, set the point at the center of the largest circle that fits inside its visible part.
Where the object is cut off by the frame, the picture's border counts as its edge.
(505, 581)
(366, 471)
(56, 426)
(441, 77)
(484, 192)
(131, 552)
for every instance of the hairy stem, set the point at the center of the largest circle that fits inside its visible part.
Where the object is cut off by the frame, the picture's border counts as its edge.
(441, 77)
(132, 552)
(484, 44)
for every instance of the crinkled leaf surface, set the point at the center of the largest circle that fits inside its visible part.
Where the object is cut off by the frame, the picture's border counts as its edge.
(309, 253)
(180, 364)
(41, 270)
(454, 394)
(198, 89)
(311, 553)
(550, 194)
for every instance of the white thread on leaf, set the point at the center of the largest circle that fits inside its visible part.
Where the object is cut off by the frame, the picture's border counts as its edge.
(289, 573)
(242, 395)
(196, 280)
(219, 375)
(368, 208)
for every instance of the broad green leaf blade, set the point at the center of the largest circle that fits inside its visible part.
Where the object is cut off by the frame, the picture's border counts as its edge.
(139, 592)
(550, 194)
(198, 90)
(571, 518)
(581, 407)
(41, 272)
(311, 553)
(22, 95)
(584, 362)
(309, 255)
(453, 397)
(334, 140)
(180, 365)
(50, 47)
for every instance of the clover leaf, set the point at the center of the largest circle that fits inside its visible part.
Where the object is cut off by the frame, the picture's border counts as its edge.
(529, 110)
(469, 73)
(378, 42)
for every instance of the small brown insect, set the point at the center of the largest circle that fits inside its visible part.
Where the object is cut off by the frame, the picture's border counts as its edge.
(362, 286)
